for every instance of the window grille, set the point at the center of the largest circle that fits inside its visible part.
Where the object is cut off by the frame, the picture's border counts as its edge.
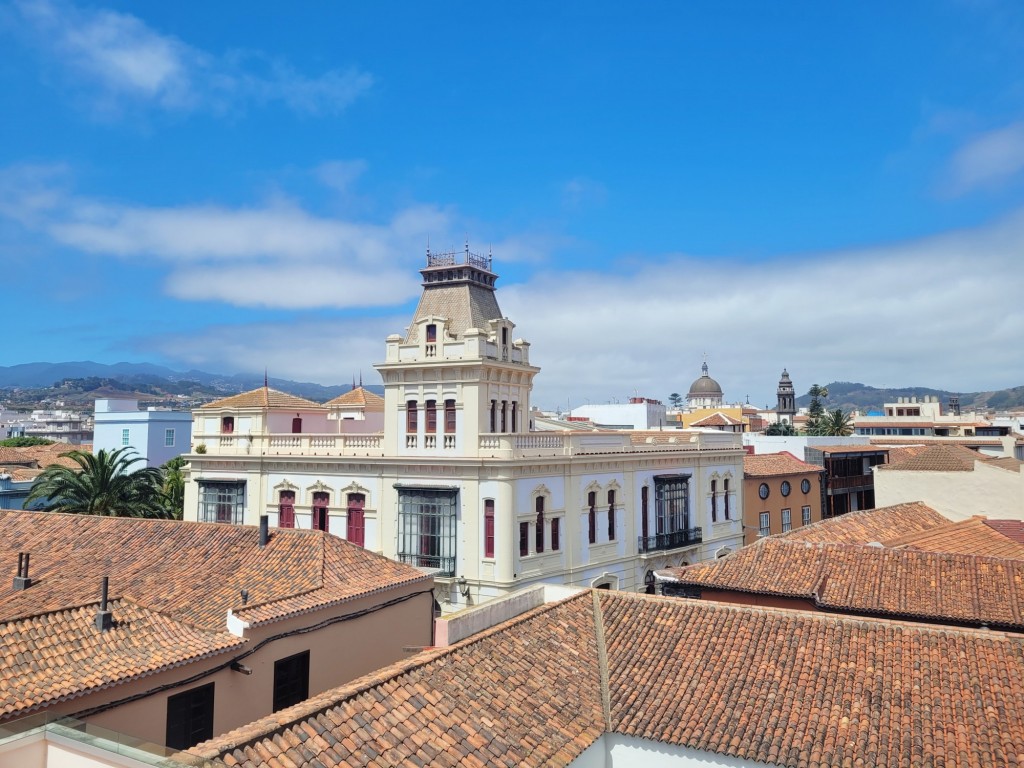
(427, 528)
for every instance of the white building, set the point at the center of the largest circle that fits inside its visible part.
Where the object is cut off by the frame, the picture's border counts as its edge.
(157, 435)
(638, 413)
(457, 481)
(59, 425)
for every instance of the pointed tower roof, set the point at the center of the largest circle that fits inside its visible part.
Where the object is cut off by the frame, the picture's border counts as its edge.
(358, 398)
(263, 397)
(459, 287)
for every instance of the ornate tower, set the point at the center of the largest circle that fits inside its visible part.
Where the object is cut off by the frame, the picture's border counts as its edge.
(786, 408)
(458, 373)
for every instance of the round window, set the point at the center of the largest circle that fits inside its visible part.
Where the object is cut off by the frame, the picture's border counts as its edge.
(763, 491)
(805, 485)
(786, 488)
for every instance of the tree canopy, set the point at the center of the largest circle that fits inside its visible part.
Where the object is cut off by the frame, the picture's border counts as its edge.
(24, 442)
(104, 484)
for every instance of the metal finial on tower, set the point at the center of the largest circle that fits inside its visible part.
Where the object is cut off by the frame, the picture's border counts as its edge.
(360, 378)
(266, 378)
(353, 381)
(428, 248)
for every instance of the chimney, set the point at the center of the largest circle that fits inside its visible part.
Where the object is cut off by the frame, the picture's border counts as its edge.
(104, 619)
(245, 596)
(22, 580)
(264, 530)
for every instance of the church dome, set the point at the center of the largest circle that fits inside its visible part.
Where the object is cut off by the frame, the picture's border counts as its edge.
(705, 386)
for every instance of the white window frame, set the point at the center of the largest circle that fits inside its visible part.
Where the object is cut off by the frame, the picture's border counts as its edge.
(805, 513)
(765, 524)
(126, 439)
(168, 438)
(787, 520)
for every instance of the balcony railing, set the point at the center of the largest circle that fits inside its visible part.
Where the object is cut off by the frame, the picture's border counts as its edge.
(674, 540)
(438, 566)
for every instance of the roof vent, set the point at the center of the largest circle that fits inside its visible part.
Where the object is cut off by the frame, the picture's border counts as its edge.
(245, 596)
(264, 530)
(22, 580)
(104, 618)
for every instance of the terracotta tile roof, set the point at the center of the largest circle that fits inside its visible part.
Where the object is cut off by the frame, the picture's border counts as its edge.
(882, 524)
(969, 537)
(191, 571)
(934, 586)
(774, 464)
(22, 474)
(1005, 462)
(906, 452)
(885, 440)
(263, 397)
(9, 456)
(61, 655)
(1013, 529)
(937, 458)
(40, 456)
(864, 448)
(191, 574)
(359, 397)
(783, 687)
(717, 420)
(531, 696)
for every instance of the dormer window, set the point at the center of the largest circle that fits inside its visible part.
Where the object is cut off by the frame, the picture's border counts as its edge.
(431, 333)
(227, 425)
(504, 336)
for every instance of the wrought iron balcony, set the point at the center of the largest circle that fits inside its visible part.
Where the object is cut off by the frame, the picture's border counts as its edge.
(438, 566)
(674, 540)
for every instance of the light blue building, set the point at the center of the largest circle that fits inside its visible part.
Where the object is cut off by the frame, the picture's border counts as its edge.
(157, 435)
(13, 492)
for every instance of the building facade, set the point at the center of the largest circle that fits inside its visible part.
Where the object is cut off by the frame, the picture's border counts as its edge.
(781, 493)
(457, 482)
(156, 435)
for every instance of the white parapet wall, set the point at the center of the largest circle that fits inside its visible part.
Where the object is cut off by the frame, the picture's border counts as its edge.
(465, 623)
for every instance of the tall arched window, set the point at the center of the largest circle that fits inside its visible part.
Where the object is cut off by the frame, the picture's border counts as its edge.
(611, 515)
(539, 531)
(714, 501)
(592, 516)
(321, 501)
(644, 530)
(356, 529)
(411, 418)
(286, 509)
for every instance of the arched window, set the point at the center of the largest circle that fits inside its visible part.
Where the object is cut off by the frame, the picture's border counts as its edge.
(411, 418)
(488, 527)
(286, 509)
(592, 516)
(611, 515)
(644, 530)
(356, 529)
(539, 531)
(227, 425)
(714, 501)
(449, 417)
(321, 502)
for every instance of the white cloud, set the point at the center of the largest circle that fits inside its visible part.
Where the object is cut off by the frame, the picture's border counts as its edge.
(123, 59)
(274, 255)
(581, 192)
(988, 159)
(942, 312)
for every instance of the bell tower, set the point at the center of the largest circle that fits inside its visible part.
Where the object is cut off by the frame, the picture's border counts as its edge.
(459, 373)
(786, 407)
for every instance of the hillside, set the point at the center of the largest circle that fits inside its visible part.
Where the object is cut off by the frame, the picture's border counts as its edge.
(855, 396)
(78, 384)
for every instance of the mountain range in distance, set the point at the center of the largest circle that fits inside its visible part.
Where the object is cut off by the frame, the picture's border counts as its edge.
(84, 381)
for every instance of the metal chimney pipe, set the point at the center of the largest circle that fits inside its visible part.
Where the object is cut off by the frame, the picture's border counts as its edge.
(104, 618)
(264, 530)
(22, 581)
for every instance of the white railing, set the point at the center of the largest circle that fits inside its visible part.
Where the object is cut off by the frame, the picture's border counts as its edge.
(580, 444)
(291, 444)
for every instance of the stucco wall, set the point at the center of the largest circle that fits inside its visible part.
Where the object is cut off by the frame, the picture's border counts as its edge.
(988, 491)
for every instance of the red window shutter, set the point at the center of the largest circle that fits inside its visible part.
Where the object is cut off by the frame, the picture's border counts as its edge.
(431, 408)
(296, 425)
(449, 417)
(556, 543)
(411, 420)
(356, 530)
(489, 528)
(286, 509)
(592, 517)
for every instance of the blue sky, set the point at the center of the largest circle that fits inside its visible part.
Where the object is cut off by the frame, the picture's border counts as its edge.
(834, 188)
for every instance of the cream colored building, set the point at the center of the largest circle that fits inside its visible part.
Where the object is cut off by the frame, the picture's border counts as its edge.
(956, 481)
(458, 482)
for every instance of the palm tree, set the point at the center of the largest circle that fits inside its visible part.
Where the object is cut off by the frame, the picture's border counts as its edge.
(174, 487)
(835, 424)
(104, 484)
